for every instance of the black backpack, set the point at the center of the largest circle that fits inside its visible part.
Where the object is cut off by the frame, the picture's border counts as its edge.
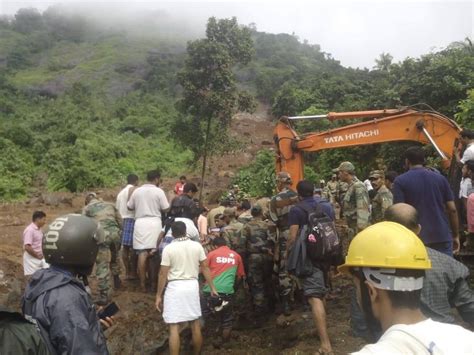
(322, 241)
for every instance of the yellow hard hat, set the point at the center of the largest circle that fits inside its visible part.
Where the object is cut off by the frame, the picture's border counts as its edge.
(386, 245)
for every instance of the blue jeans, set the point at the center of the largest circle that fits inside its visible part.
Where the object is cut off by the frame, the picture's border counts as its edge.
(443, 247)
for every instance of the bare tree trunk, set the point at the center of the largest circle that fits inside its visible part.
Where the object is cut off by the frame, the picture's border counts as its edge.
(204, 158)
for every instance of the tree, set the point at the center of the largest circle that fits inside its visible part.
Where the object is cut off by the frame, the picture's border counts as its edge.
(27, 21)
(465, 116)
(210, 94)
(384, 62)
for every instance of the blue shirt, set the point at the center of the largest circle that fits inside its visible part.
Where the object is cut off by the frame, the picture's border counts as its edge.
(428, 192)
(298, 216)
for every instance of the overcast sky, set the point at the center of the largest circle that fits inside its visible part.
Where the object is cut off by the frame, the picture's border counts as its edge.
(354, 32)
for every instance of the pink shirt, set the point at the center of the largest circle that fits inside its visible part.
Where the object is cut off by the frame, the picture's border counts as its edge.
(34, 236)
(202, 225)
(470, 213)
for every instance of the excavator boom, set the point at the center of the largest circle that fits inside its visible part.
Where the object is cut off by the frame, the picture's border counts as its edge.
(384, 126)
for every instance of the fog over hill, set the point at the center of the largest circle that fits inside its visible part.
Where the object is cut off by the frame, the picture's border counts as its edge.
(354, 32)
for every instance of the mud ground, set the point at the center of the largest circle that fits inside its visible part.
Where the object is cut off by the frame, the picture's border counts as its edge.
(140, 329)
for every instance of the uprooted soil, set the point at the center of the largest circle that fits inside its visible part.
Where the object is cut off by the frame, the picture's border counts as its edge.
(140, 329)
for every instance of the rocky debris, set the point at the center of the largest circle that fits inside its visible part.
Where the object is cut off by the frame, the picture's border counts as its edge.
(55, 199)
(10, 220)
(35, 201)
(226, 173)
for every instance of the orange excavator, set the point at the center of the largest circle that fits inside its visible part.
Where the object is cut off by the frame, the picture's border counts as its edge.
(379, 126)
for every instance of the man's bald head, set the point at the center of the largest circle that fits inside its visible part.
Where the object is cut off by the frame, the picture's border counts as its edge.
(404, 214)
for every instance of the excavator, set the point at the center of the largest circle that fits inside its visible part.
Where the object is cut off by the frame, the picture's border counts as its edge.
(379, 126)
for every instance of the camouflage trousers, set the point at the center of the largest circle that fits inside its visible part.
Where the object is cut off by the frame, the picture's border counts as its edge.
(260, 281)
(285, 283)
(107, 262)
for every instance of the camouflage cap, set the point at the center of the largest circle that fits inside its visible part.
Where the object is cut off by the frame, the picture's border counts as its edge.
(91, 194)
(376, 174)
(322, 181)
(283, 176)
(345, 166)
(229, 211)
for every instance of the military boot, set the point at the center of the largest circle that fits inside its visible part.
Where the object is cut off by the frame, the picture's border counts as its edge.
(117, 282)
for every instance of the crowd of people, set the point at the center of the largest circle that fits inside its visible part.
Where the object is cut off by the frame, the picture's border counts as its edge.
(246, 261)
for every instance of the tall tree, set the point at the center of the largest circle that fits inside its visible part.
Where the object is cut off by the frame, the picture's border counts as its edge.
(210, 94)
(383, 62)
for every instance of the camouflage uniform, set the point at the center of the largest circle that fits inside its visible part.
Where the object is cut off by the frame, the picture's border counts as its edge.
(280, 217)
(258, 241)
(381, 201)
(332, 186)
(342, 190)
(107, 260)
(356, 207)
(245, 217)
(326, 194)
(231, 234)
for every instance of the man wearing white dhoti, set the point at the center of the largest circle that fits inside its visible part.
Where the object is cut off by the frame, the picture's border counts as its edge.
(148, 201)
(179, 272)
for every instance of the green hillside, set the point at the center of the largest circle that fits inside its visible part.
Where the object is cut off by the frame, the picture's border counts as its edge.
(82, 105)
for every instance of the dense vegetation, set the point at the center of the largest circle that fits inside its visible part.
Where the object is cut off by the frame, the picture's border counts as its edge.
(82, 105)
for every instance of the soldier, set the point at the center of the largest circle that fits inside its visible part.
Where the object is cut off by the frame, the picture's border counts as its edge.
(258, 243)
(356, 200)
(356, 212)
(110, 221)
(243, 212)
(280, 205)
(332, 186)
(56, 300)
(231, 232)
(234, 195)
(325, 192)
(383, 198)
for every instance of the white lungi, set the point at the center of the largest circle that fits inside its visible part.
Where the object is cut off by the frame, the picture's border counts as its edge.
(31, 264)
(181, 301)
(146, 232)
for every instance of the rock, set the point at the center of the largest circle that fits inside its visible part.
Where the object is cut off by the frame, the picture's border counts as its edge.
(50, 199)
(35, 201)
(226, 173)
(67, 201)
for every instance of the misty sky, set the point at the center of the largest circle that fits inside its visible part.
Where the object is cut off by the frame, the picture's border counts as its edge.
(354, 32)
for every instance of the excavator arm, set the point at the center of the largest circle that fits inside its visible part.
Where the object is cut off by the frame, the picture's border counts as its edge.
(384, 126)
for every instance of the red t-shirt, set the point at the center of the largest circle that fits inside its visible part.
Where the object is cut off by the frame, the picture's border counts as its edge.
(225, 264)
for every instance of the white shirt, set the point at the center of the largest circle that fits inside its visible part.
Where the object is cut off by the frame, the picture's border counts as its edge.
(466, 185)
(420, 338)
(368, 184)
(183, 257)
(191, 230)
(468, 153)
(121, 203)
(148, 201)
